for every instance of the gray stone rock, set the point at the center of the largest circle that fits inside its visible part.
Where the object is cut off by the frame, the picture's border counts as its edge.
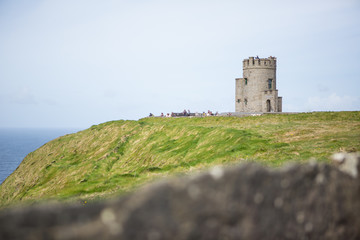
(309, 201)
(348, 163)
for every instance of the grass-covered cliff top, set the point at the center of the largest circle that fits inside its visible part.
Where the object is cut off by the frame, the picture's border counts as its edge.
(115, 157)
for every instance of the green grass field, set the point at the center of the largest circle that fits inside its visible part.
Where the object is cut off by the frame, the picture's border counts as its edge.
(115, 157)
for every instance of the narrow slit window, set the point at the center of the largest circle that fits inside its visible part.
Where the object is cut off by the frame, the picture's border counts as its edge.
(238, 100)
(270, 83)
(246, 81)
(245, 101)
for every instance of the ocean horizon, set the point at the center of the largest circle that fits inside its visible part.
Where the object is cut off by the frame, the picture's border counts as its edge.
(17, 143)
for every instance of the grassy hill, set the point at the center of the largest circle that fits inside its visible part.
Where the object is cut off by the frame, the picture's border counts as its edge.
(114, 157)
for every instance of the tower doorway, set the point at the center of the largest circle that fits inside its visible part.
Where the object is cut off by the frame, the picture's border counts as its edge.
(268, 105)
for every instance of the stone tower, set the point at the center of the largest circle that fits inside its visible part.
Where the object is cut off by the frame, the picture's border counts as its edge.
(256, 91)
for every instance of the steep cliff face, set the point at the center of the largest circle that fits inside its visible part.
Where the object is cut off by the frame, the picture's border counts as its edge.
(115, 157)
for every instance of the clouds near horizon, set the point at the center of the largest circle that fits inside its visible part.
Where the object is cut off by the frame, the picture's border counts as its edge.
(78, 63)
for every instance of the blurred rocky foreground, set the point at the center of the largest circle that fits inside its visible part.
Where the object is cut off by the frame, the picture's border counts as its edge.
(311, 201)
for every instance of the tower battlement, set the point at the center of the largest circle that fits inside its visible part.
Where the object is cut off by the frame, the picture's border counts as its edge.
(253, 62)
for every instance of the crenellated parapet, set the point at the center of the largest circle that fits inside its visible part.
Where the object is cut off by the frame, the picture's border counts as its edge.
(253, 62)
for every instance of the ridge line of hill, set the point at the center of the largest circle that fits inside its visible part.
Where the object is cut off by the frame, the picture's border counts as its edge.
(115, 157)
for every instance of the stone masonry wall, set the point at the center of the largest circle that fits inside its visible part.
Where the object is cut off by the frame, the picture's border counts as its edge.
(310, 201)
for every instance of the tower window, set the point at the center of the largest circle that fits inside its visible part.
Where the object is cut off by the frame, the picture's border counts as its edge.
(245, 101)
(270, 83)
(238, 100)
(246, 81)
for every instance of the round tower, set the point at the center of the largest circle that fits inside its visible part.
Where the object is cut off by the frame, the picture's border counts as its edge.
(256, 91)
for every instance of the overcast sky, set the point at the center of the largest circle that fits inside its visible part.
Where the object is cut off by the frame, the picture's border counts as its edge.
(75, 63)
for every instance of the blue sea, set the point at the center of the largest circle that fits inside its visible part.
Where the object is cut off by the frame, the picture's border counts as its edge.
(15, 144)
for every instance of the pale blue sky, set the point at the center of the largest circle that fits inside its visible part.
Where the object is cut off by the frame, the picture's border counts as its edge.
(75, 63)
